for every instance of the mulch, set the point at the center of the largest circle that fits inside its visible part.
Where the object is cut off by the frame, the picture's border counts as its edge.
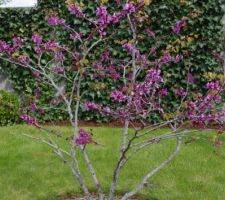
(119, 124)
(73, 197)
(91, 124)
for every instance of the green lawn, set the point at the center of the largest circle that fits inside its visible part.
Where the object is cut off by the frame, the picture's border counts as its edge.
(30, 171)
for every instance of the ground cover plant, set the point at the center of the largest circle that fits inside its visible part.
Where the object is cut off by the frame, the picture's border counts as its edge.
(140, 89)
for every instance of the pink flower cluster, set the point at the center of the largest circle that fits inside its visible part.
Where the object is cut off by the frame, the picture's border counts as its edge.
(105, 56)
(37, 39)
(180, 92)
(129, 8)
(141, 97)
(205, 109)
(152, 81)
(213, 86)
(111, 71)
(104, 19)
(118, 96)
(34, 108)
(83, 138)
(179, 26)
(5, 48)
(29, 120)
(54, 20)
(168, 58)
(59, 55)
(17, 42)
(50, 45)
(163, 92)
(130, 48)
(207, 117)
(91, 106)
(76, 10)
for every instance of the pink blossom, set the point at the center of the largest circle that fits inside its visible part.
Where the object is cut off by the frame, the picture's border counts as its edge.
(33, 107)
(213, 85)
(17, 42)
(74, 9)
(180, 92)
(114, 18)
(105, 56)
(91, 106)
(190, 78)
(5, 48)
(107, 111)
(118, 96)
(50, 45)
(130, 48)
(29, 120)
(38, 50)
(164, 92)
(83, 138)
(168, 58)
(179, 26)
(129, 8)
(37, 39)
(23, 59)
(54, 20)
(59, 55)
(101, 11)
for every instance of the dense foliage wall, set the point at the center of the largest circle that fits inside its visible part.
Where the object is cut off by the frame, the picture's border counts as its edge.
(200, 40)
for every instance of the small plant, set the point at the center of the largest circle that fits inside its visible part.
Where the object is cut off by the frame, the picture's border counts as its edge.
(140, 87)
(9, 108)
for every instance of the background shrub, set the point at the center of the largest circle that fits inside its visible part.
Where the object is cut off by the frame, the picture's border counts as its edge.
(9, 108)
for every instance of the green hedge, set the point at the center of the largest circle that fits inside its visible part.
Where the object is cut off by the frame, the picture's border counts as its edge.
(9, 108)
(200, 39)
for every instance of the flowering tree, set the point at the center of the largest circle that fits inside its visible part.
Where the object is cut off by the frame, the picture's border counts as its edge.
(140, 86)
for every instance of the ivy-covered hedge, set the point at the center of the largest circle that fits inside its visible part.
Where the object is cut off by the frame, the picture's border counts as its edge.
(9, 108)
(198, 42)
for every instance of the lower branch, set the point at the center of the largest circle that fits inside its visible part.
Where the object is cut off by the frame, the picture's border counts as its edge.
(154, 171)
(60, 153)
(123, 151)
(93, 174)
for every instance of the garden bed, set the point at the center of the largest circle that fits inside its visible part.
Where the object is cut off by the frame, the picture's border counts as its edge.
(119, 124)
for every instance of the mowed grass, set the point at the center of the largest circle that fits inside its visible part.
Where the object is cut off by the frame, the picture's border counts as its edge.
(30, 170)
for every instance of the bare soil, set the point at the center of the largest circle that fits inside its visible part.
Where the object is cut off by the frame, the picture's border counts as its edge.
(95, 198)
(74, 197)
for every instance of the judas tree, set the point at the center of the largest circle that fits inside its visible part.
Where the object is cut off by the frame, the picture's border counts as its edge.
(77, 52)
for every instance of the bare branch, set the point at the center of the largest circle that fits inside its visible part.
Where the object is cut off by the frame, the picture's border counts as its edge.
(144, 182)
